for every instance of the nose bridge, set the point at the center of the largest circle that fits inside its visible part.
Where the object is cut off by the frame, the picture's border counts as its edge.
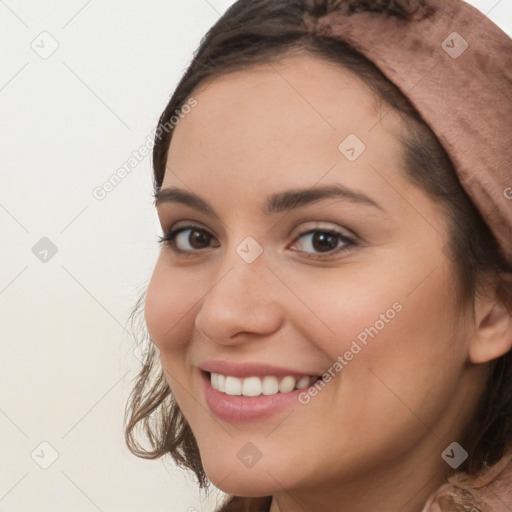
(240, 298)
(243, 267)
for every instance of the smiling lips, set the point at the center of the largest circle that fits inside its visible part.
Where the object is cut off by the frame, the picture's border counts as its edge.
(255, 386)
(243, 392)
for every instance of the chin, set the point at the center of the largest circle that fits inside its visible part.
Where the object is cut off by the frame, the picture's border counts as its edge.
(258, 481)
(248, 486)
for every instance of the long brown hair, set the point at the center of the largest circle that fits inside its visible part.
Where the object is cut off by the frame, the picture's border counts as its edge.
(262, 31)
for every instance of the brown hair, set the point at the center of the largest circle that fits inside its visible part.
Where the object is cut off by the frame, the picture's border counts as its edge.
(255, 32)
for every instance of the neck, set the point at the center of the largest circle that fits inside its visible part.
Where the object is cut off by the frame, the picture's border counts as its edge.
(404, 486)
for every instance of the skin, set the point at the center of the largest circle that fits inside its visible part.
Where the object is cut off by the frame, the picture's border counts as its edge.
(373, 438)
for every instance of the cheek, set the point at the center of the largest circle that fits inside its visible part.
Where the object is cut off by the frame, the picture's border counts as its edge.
(170, 307)
(401, 358)
(389, 341)
(169, 313)
(410, 356)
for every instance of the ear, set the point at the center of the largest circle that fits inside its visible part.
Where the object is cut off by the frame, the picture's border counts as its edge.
(493, 322)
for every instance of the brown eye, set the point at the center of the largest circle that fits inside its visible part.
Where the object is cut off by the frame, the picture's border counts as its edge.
(318, 242)
(323, 241)
(187, 239)
(198, 239)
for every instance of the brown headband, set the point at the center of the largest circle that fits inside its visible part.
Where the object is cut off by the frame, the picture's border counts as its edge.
(455, 66)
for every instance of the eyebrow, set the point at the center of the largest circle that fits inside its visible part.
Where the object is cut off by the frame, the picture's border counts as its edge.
(276, 203)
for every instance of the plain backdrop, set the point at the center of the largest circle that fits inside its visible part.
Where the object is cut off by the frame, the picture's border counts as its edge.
(82, 84)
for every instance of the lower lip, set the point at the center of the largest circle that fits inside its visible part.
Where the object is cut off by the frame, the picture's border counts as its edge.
(240, 409)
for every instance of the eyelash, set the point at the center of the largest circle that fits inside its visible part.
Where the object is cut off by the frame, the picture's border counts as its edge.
(169, 240)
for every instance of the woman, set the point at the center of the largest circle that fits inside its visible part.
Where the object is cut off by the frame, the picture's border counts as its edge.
(332, 303)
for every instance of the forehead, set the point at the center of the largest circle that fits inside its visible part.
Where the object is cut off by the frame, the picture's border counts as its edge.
(273, 124)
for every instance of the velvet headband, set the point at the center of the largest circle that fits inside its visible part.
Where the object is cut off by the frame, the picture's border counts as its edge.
(455, 67)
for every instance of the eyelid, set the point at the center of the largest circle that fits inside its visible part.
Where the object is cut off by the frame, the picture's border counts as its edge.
(324, 226)
(350, 240)
(170, 235)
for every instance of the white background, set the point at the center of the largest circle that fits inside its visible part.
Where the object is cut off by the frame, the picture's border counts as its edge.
(67, 123)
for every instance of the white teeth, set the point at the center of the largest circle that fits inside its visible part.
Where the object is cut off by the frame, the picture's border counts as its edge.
(251, 386)
(254, 386)
(233, 386)
(303, 382)
(270, 385)
(287, 384)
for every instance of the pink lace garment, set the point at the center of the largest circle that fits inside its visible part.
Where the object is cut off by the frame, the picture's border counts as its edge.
(489, 491)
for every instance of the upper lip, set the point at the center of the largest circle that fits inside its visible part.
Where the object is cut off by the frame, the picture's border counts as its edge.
(245, 369)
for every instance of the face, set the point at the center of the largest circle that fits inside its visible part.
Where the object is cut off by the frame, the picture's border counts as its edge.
(298, 249)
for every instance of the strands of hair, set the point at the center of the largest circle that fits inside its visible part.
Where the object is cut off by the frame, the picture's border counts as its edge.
(407, 9)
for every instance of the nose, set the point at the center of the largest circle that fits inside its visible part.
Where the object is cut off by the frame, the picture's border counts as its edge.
(243, 300)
